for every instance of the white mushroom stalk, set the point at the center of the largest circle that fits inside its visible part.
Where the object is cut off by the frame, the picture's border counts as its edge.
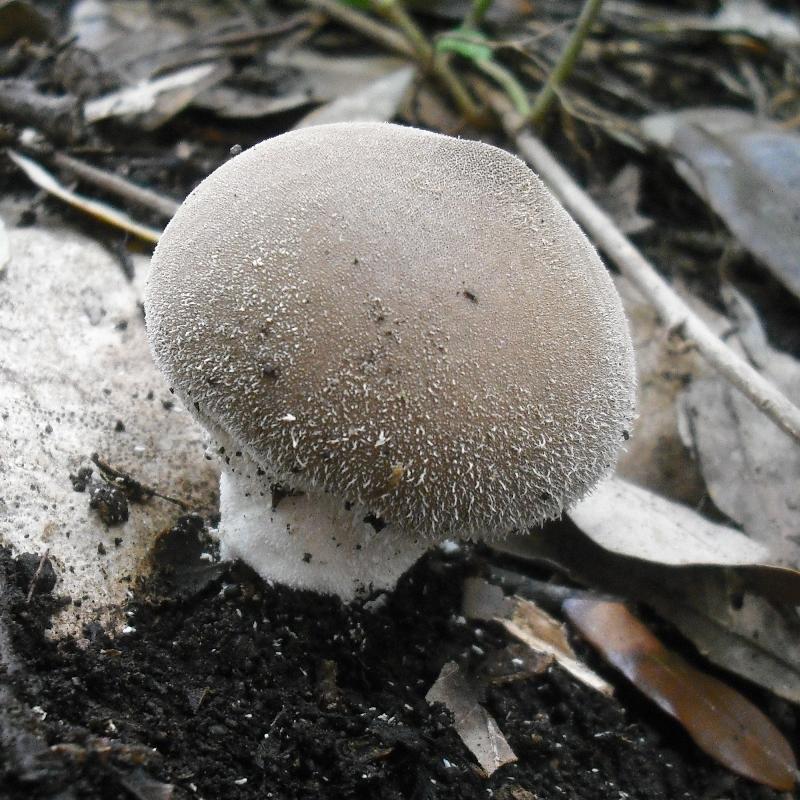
(404, 330)
(312, 539)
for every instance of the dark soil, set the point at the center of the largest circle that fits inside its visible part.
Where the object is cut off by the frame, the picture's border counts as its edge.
(229, 687)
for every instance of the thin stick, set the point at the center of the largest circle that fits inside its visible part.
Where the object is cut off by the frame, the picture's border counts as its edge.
(135, 490)
(121, 187)
(566, 61)
(674, 313)
(382, 34)
(474, 18)
(439, 66)
(393, 11)
(406, 39)
(37, 575)
(104, 212)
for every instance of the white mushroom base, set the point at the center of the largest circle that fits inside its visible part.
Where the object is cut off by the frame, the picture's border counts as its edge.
(311, 541)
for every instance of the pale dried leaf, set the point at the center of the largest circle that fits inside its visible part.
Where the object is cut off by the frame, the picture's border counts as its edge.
(377, 102)
(531, 625)
(476, 727)
(756, 19)
(635, 522)
(748, 170)
(230, 102)
(751, 468)
(152, 103)
(735, 629)
(721, 610)
(621, 198)
(325, 78)
(656, 456)
(750, 17)
(136, 39)
(102, 211)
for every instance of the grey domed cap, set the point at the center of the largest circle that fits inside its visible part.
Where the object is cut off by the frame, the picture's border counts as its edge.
(408, 321)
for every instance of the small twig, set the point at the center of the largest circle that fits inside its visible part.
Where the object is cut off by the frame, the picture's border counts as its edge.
(477, 12)
(566, 61)
(438, 65)
(395, 13)
(58, 117)
(406, 39)
(382, 34)
(548, 595)
(104, 212)
(136, 490)
(256, 34)
(510, 85)
(36, 575)
(673, 311)
(114, 184)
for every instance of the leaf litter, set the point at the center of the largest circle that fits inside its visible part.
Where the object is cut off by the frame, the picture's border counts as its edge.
(737, 447)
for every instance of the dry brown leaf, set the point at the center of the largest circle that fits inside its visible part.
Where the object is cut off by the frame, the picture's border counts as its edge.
(531, 625)
(720, 720)
(472, 722)
(150, 104)
(656, 456)
(745, 168)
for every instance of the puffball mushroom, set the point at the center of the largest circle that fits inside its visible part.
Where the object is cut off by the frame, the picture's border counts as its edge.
(403, 331)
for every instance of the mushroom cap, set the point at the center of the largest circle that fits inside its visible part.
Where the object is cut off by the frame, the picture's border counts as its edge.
(406, 320)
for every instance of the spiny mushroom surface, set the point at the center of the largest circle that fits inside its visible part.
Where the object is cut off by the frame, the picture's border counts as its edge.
(400, 326)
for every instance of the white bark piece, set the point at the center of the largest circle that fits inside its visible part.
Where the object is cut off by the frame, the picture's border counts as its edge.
(75, 360)
(476, 727)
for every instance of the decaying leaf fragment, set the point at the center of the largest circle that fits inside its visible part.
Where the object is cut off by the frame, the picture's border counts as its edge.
(376, 102)
(720, 720)
(531, 625)
(472, 722)
(152, 103)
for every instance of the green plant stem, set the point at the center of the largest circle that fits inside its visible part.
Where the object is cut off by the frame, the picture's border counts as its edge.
(406, 39)
(509, 83)
(394, 12)
(566, 61)
(476, 14)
